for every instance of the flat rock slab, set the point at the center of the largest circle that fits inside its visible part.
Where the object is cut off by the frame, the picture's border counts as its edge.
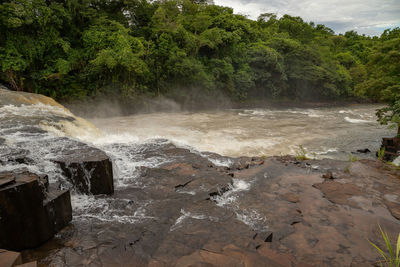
(259, 212)
(6, 180)
(29, 213)
(339, 193)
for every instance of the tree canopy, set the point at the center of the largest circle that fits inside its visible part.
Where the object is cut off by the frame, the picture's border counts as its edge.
(188, 49)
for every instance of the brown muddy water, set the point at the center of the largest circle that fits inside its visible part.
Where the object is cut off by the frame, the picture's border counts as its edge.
(323, 132)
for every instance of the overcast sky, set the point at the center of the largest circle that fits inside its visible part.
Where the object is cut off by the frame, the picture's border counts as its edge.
(364, 16)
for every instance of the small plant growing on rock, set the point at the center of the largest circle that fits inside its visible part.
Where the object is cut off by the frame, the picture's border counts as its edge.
(301, 153)
(392, 258)
(381, 153)
(352, 158)
(347, 170)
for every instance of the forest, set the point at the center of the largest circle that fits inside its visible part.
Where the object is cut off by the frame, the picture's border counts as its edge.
(188, 50)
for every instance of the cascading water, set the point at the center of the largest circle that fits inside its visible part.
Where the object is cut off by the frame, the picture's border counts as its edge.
(40, 129)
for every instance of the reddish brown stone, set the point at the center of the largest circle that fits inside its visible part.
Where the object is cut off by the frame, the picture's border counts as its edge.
(290, 197)
(394, 208)
(9, 258)
(339, 193)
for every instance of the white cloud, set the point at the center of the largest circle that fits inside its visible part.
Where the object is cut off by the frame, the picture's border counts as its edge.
(364, 16)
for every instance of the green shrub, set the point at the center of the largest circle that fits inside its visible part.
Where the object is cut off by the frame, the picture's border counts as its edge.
(301, 153)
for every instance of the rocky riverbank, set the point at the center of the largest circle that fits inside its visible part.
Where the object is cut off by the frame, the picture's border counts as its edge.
(38, 170)
(259, 212)
(180, 207)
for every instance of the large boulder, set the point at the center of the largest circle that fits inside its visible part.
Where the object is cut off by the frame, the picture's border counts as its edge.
(30, 212)
(89, 169)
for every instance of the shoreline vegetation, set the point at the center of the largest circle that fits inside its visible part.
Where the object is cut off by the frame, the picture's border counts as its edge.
(194, 53)
(187, 51)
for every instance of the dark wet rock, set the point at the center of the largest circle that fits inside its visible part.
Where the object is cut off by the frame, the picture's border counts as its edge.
(328, 175)
(364, 151)
(88, 168)
(246, 162)
(273, 213)
(30, 213)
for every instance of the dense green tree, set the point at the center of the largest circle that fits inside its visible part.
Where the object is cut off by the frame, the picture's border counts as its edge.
(383, 76)
(188, 50)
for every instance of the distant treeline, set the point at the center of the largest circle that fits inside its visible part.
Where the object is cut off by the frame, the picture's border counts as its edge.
(183, 49)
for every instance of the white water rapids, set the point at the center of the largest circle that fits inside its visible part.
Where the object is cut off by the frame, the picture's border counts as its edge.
(323, 132)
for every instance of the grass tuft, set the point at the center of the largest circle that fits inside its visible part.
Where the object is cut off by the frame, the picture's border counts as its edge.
(352, 158)
(381, 153)
(301, 153)
(392, 257)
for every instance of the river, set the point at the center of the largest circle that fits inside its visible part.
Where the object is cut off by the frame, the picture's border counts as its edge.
(322, 132)
(139, 143)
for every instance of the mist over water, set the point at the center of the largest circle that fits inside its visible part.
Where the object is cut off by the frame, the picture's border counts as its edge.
(323, 132)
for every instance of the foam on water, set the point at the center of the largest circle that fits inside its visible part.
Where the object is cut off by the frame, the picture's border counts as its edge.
(222, 162)
(188, 215)
(351, 120)
(231, 199)
(128, 158)
(37, 110)
(109, 209)
(253, 219)
(230, 196)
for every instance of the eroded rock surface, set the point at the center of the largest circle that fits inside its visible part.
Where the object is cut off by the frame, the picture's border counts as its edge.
(257, 212)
